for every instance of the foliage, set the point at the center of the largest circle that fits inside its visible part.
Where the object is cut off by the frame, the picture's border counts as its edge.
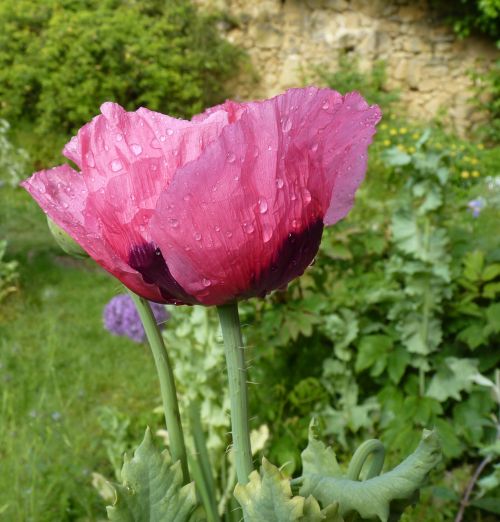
(13, 160)
(399, 313)
(8, 273)
(469, 16)
(60, 60)
(152, 488)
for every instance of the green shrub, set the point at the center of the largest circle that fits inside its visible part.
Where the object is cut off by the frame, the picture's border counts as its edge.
(8, 273)
(60, 59)
(14, 161)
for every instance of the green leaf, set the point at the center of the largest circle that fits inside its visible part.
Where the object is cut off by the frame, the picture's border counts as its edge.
(372, 353)
(268, 496)
(493, 317)
(454, 376)
(473, 265)
(152, 488)
(491, 272)
(397, 363)
(473, 335)
(490, 290)
(374, 497)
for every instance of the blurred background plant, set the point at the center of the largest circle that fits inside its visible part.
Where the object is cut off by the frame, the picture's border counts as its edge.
(395, 328)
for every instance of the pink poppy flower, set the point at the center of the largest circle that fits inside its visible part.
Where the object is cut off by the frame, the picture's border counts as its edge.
(227, 206)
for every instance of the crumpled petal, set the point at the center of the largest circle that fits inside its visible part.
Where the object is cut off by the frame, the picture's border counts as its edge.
(228, 222)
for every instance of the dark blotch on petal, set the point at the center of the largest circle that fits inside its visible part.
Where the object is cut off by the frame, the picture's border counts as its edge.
(294, 256)
(148, 260)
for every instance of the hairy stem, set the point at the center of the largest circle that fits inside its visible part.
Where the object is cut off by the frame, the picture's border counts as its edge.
(237, 375)
(167, 383)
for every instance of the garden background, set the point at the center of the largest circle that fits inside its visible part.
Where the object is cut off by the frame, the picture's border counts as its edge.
(395, 327)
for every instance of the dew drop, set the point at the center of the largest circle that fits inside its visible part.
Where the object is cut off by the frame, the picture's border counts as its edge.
(136, 149)
(197, 236)
(90, 159)
(217, 228)
(295, 223)
(163, 138)
(119, 137)
(293, 197)
(229, 234)
(269, 148)
(256, 152)
(170, 132)
(206, 282)
(231, 157)
(155, 144)
(106, 148)
(286, 125)
(279, 183)
(187, 197)
(267, 233)
(314, 147)
(116, 165)
(262, 206)
(306, 196)
(174, 223)
(248, 228)
(325, 106)
(65, 205)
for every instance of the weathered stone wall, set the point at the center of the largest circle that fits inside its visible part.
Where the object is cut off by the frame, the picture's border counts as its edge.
(426, 62)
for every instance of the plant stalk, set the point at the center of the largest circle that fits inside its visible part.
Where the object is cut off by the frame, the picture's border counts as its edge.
(237, 375)
(167, 384)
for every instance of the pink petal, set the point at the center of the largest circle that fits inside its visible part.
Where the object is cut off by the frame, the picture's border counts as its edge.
(62, 194)
(269, 181)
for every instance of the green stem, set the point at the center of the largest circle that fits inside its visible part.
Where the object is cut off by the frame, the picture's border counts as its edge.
(202, 463)
(237, 375)
(373, 448)
(167, 383)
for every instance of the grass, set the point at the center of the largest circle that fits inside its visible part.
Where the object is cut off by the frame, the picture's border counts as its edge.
(61, 373)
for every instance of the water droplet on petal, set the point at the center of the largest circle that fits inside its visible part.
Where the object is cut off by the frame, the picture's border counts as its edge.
(187, 197)
(229, 234)
(325, 106)
(90, 159)
(262, 206)
(286, 125)
(279, 183)
(163, 138)
(119, 137)
(174, 223)
(256, 152)
(170, 132)
(267, 233)
(314, 147)
(269, 148)
(116, 165)
(65, 205)
(248, 228)
(306, 196)
(106, 148)
(197, 236)
(136, 149)
(217, 228)
(293, 197)
(206, 282)
(295, 223)
(231, 157)
(155, 144)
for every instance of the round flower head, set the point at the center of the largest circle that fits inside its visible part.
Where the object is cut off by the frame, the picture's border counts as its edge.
(227, 206)
(121, 317)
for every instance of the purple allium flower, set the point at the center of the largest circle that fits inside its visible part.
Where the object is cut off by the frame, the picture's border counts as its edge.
(476, 205)
(121, 317)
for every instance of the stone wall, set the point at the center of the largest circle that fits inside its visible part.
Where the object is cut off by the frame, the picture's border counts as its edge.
(426, 62)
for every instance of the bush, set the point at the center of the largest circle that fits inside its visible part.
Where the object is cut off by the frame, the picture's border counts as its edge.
(14, 161)
(60, 59)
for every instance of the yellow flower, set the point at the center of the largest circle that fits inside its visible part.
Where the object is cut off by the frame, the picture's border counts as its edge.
(480, 146)
(474, 161)
(453, 146)
(387, 142)
(411, 150)
(393, 132)
(475, 174)
(466, 158)
(383, 126)
(402, 148)
(439, 146)
(415, 135)
(403, 130)
(464, 174)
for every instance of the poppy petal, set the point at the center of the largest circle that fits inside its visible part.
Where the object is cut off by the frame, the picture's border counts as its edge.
(283, 166)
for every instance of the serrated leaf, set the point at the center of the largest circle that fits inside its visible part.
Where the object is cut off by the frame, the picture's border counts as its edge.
(152, 489)
(318, 458)
(454, 376)
(268, 496)
(493, 317)
(373, 498)
(372, 352)
(314, 513)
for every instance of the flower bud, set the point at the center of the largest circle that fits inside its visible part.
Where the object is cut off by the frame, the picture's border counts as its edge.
(68, 244)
